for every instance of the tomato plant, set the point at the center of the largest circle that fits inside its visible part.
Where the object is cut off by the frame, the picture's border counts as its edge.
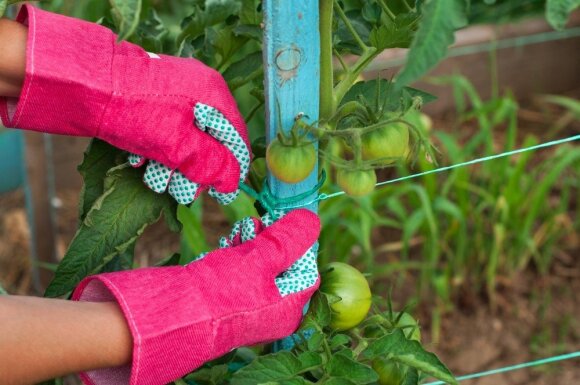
(351, 292)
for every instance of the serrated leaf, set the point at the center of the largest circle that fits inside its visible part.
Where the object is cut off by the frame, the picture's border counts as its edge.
(397, 347)
(111, 227)
(558, 12)
(281, 367)
(99, 157)
(126, 15)
(342, 366)
(441, 18)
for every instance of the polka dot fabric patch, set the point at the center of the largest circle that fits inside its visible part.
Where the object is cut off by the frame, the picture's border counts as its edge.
(214, 123)
(161, 178)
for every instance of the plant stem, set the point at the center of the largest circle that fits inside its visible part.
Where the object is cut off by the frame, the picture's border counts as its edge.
(327, 102)
(407, 6)
(387, 10)
(345, 84)
(349, 26)
(339, 57)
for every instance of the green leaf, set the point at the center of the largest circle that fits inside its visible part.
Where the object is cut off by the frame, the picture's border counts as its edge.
(441, 18)
(126, 14)
(397, 347)
(211, 13)
(121, 261)
(395, 99)
(193, 238)
(338, 381)
(558, 11)
(248, 67)
(342, 366)
(411, 377)
(282, 367)
(99, 158)
(3, 6)
(2, 291)
(249, 13)
(216, 375)
(151, 32)
(395, 34)
(318, 315)
(111, 227)
(339, 340)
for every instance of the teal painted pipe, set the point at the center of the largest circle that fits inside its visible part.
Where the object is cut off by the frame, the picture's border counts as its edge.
(11, 160)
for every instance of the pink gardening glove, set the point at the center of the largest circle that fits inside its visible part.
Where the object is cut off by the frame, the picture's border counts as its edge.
(183, 316)
(175, 111)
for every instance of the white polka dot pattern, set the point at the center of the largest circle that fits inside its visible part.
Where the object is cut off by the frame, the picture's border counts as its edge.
(214, 123)
(161, 178)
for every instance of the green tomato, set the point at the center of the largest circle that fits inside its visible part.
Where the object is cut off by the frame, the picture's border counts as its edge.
(409, 325)
(346, 282)
(391, 141)
(290, 164)
(356, 183)
(390, 372)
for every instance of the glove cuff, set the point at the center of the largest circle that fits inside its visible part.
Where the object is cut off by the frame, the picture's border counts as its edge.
(170, 324)
(68, 83)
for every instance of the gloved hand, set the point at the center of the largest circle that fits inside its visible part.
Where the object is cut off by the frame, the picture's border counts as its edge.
(183, 316)
(80, 82)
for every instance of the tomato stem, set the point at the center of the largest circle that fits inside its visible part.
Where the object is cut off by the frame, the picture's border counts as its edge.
(327, 101)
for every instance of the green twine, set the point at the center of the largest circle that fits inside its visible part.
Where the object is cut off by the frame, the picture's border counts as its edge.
(510, 368)
(272, 203)
(323, 196)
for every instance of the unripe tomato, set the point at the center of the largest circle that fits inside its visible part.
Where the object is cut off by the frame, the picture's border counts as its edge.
(291, 164)
(391, 141)
(346, 282)
(390, 372)
(356, 183)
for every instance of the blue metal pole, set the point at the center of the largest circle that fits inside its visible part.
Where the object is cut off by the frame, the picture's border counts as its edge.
(292, 81)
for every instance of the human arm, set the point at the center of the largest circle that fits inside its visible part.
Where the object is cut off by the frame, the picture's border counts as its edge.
(43, 338)
(13, 53)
